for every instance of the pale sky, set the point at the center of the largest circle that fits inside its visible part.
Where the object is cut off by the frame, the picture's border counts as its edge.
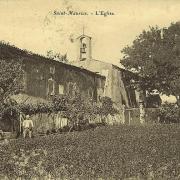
(31, 25)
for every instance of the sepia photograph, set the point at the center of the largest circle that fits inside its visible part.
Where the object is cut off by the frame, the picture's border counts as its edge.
(89, 90)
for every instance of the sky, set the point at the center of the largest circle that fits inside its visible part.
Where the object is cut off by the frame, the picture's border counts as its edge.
(32, 25)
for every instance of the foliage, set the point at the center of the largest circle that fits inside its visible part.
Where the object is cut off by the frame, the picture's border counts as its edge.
(107, 106)
(57, 56)
(10, 78)
(117, 152)
(11, 75)
(153, 101)
(155, 57)
(77, 109)
(152, 115)
(35, 108)
(9, 116)
(169, 113)
(23, 160)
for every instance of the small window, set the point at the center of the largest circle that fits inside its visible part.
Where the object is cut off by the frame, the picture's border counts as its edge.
(72, 89)
(51, 86)
(52, 69)
(84, 45)
(61, 89)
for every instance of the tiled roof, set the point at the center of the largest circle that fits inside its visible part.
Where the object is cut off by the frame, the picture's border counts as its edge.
(10, 51)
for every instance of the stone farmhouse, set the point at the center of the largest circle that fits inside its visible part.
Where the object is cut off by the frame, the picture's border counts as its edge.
(44, 77)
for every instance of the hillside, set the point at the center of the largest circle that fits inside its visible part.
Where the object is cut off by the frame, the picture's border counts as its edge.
(118, 152)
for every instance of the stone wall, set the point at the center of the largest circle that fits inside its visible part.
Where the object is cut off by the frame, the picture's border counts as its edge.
(132, 116)
(44, 122)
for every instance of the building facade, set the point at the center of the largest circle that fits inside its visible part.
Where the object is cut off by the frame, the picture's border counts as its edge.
(115, 85)
(44, 77)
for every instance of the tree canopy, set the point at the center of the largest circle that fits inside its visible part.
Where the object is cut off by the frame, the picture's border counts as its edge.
(155, 57)
(11, 75)
(57, 56)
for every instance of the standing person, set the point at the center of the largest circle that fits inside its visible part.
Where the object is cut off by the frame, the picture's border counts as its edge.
(27, 127)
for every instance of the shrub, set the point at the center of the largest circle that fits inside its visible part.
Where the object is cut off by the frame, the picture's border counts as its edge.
(107, 107)
(169, 113)
(77, 109)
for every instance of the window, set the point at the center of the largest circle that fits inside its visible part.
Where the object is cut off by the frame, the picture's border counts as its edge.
(52, 69)
(61, 89)
(51, 86)
(72, 89)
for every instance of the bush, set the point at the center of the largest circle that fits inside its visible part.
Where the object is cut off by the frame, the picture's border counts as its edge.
(169, 113)
(77, 109)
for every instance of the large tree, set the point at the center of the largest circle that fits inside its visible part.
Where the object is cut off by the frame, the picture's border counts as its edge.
(11, 79)
(57, 56)
(155, 57)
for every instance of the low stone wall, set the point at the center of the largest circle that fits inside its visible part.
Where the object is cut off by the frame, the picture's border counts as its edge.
(44, 122)
(109, 119)
(132, 116)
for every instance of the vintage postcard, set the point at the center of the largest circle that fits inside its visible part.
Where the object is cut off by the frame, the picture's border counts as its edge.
(89, 89)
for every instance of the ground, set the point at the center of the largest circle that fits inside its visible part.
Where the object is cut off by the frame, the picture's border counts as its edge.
(116, 152)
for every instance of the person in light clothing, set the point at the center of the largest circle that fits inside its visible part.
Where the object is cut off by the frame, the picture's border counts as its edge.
(27, 127)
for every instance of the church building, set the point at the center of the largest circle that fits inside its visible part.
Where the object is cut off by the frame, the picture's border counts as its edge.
(115, 85)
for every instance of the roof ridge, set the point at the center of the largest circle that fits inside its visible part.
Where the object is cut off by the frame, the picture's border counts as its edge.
(30, 53)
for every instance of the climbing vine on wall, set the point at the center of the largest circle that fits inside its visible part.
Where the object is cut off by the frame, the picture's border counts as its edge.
(76, 108)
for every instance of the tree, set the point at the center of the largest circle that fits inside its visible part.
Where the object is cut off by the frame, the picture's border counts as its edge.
(155, 58)
(11, 75)
(57, 56)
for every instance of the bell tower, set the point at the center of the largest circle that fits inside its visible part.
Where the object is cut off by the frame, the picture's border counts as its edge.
(84, 48)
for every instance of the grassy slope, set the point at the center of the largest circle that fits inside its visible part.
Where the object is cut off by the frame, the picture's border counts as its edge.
(108, 152)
